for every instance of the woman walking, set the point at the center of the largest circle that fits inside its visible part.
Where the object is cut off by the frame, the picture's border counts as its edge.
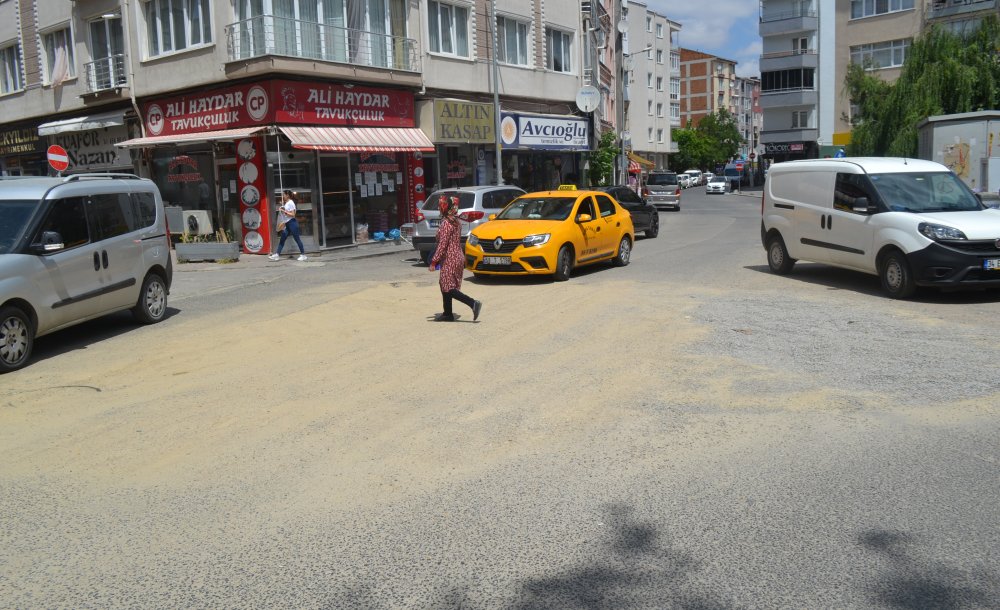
(450, 259)
(288, 225)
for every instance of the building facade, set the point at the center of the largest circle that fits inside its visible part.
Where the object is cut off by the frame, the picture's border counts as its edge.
(708, 84)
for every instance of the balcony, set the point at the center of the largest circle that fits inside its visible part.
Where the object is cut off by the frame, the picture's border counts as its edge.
(788, 60)
(267, 35)
(788, 97)
(789, 22)
(940, 9)
(105, 74)
(788, 135)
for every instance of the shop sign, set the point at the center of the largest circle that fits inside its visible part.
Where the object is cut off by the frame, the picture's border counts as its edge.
(468, 122)
(415, 181)
(455, 171)
(21, 141)
(183, 169)
(225, 108)
(544, 132)
(253, 196)
(94, 148)
(783, 147)
(340, 104)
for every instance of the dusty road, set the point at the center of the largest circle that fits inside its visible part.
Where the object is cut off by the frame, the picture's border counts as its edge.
(689, 431)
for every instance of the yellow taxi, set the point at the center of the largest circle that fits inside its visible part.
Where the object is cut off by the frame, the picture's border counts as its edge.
(551, 233)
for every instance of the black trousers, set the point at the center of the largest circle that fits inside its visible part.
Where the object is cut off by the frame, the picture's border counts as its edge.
(455, 294)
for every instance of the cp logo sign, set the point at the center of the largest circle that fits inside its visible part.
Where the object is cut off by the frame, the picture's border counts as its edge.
(154, 119)
(257, 103)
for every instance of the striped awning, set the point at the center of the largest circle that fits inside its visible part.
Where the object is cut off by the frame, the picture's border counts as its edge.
(187, 138)
(358, 139)
(634, 168)
(641, 160)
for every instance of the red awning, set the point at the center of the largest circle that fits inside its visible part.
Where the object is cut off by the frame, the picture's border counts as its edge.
(634, 168)
(358, 139)
(182, 138)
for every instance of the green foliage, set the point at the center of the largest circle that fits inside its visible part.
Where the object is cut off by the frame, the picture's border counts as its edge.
(714, 141)
(602, 160)
(943, 74)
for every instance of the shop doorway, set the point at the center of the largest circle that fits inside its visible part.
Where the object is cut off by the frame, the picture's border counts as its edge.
(227, 196)
(298, 177)
(335, 203)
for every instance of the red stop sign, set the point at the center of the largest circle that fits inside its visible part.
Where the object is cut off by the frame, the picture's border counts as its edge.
(58, 157)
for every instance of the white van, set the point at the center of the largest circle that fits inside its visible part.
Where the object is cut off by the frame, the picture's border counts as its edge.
(695, 176)
(911, 222)
(75, 248)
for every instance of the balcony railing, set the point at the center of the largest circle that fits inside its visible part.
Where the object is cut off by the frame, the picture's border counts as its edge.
(269, 35)
(938, 9)
(106, 73)
(777, 54)
(795, 14)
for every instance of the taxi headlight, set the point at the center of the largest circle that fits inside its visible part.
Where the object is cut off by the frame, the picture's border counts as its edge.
(939, 232)
(473, 240)
(536, 240)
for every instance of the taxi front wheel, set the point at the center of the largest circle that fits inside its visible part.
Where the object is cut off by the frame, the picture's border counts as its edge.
(564, 264)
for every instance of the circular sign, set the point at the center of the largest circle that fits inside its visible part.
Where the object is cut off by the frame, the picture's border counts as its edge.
(250, 195)
(253, 241)
(753, 155)
(251, 218)
(248, 172)
(257, 103)
(246, 150)
(588, 98)
(508, 130)
(58, 157)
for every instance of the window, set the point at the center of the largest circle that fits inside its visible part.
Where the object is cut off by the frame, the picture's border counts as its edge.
(448, 29)
(111, 215)
(800, 45)
(605, 205)
(659, 109)
(60, 63)
(800, 119)
(649, 80)
(675, 62)
(67, 218)
(659, 83)
(659, 136)
(675, 89)
(512, 46)
(174, 25)
(649, 134)
(558, 45)
(848, 189)
(649, 23)
(659, 56)
(787, 80)
(869, 8)
(649, 107)
(675, 111)
(659, 30)
(107, 44)
(10, 69)
(891, 54)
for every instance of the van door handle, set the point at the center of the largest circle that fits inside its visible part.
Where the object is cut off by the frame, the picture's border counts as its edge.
(829, 221)
(822, 221)
(97, 261)
(104, 258)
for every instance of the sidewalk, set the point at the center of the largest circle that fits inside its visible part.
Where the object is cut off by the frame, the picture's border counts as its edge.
(257, 261)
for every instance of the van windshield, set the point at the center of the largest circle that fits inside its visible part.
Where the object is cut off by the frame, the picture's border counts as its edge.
(13, 216)
(925, 192)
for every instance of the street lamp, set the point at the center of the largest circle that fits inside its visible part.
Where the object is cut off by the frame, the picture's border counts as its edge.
(622, 131)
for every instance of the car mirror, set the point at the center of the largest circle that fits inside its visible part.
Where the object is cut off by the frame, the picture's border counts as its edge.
(51, 242)
(492, 217)
(584, 218)
(862, 206)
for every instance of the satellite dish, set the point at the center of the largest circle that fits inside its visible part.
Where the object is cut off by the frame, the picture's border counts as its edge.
(622, 27)
(588, 98)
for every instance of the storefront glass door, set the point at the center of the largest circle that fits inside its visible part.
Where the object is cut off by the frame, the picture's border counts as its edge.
(228, 197)
(338, 226)
(299, 178)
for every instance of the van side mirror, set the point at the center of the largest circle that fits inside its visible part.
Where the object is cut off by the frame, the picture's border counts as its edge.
(862, 206)
(51, 241)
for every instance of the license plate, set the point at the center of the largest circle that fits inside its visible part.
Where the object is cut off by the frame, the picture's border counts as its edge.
(496, 260)
(991, 264)
(433, 223)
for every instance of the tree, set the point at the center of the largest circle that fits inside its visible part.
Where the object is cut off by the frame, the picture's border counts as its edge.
(715, 140)
(944, 73)
(602, 160)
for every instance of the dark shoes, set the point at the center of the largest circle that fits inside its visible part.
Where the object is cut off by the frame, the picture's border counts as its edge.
(476, 308)
(444, 317)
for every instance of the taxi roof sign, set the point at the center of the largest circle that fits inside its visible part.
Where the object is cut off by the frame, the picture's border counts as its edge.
(567, 187)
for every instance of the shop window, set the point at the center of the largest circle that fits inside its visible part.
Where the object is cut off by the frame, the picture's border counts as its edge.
(378, 190)
(448, 29)
(60, 62)
(175, 25)
(11, 78)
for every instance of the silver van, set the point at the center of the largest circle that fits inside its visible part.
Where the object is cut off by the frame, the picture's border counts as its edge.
(76, 248)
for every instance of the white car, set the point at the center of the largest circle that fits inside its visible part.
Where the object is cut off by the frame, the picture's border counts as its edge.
(910, 222)
(718, 184)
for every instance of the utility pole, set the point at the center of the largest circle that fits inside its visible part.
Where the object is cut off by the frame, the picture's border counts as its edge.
(496, 97)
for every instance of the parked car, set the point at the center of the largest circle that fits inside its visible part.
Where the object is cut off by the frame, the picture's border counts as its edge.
(708, 177)
(475, 204)
(645, 218)
(910, 222)
(663, 190)
(695, 176)
(718, 184)
(684, 180)
(551, 233)
(76, 248)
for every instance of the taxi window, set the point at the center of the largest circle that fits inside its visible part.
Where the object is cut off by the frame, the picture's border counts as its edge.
(606, 206)
(586, 207)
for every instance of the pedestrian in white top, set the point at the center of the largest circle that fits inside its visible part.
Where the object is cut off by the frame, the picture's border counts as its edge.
(287, 225)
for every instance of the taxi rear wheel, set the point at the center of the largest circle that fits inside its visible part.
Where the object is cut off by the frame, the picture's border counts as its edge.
(564, 264)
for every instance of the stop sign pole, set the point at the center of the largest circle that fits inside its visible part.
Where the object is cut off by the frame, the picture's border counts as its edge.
(58, 158)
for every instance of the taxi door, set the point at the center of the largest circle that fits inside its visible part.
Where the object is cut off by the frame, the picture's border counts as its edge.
(591, 245)
(611, 224)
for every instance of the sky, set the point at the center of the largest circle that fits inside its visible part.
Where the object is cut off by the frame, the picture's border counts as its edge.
(729, 29)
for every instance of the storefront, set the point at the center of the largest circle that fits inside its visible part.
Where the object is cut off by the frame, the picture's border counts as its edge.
(775, 152)
(90, 142)
(464, 140)
(540, 152)
(22, 151)
(351, 154)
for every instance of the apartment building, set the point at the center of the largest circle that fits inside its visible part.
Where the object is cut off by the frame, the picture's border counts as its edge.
(651, 76)
(807, 47)
(745, 108)
(362, 108)
(707, 85)
(960, 16)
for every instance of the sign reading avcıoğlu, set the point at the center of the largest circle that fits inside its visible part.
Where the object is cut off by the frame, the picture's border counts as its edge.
(547, 132)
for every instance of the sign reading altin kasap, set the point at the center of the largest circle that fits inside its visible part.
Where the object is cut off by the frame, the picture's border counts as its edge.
(546, 132)
(466, 122)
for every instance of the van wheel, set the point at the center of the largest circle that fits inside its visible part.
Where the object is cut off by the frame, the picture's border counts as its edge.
(564, 264)
(777, 256)
(152, 304)
(624, 252)
(897, 279)
(17, 337)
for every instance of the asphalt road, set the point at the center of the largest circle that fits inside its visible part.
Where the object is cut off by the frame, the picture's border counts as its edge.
(689, 431)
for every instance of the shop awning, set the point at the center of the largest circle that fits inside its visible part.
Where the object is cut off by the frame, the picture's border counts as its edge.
(186, 138)
(634, 167)
(83, 123)
(358, 139)
(641, 161)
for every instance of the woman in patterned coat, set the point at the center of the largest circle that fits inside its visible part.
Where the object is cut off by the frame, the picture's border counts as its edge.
(450, 259)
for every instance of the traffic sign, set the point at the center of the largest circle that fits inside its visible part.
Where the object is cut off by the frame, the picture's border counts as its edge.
(739, 166)
(58, 158)
(753, 156)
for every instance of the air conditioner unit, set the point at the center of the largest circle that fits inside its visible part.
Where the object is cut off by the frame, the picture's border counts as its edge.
(198, 222)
